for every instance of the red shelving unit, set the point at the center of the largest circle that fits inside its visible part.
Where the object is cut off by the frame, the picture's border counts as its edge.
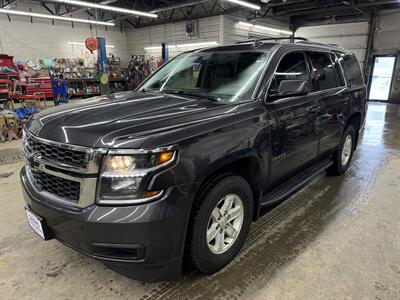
(43, 86)
(7, 61)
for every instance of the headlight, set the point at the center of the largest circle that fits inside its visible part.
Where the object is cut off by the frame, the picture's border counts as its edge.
(121, 178)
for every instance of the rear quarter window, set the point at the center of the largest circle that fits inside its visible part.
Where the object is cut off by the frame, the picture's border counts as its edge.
(326, 71)
(351, 68)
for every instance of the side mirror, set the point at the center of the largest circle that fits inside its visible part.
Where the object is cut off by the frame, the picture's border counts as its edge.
(289, 88)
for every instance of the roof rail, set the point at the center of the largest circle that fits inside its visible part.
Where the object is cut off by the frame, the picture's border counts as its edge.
(272, 39)
(316, 43)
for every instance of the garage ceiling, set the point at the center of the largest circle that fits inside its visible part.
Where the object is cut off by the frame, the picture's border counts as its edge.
(298, 13)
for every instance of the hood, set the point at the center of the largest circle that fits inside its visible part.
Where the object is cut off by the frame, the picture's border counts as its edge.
(126, 120)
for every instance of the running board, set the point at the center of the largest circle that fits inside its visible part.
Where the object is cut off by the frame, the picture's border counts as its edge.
(289, 187)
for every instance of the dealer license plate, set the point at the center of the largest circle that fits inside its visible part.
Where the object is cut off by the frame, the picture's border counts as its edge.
(35, 222)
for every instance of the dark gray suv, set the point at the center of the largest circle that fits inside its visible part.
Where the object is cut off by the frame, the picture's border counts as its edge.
(177, 170)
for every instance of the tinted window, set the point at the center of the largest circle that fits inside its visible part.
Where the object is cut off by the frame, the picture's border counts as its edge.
(291, 67)
(326, 74)
(338, 70)
(351, 68)
(225, 76)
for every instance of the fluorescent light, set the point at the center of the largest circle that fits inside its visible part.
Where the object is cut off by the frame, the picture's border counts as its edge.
(266, 28)
(190, 45)
(53, 17)
(197, 44)
(158, 47)
(107, 8)
(246, 24)
(274, 29)
(246, 4)
(83, 44)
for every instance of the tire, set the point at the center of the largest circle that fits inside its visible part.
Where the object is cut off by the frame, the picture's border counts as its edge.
(344, 153)
(209, 257)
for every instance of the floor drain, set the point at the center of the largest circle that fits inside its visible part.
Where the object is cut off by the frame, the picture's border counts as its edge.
(10, 156)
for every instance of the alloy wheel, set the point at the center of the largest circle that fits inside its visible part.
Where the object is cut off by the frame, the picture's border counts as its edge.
(347, 148)
(225, 224)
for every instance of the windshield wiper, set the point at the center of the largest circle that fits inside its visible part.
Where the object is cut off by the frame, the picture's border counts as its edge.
(201, 95)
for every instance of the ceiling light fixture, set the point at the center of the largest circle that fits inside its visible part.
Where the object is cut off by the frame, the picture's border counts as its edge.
(266, 28)
(107, 8)
(190, 45)
(83, 44)
(246, 4)
(197, 44)
(158, 47)
(53, 17)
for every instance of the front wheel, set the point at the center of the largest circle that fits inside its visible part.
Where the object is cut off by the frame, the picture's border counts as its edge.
(220, 224)
(344, 153)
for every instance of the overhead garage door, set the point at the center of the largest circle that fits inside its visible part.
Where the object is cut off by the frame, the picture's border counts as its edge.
(353, 36)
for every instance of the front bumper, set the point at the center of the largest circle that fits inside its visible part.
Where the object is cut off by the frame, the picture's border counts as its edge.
(144, 242)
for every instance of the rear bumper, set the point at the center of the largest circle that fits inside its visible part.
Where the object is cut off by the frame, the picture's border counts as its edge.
(144, 242)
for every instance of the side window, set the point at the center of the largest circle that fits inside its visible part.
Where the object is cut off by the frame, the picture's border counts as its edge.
(291, 67)
(326, 74)
(338, 70)
(351, 68)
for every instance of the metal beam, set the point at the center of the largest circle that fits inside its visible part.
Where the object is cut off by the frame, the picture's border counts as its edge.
(179, 5)
(184, 18)
(332, 7)
(10, 3)
(78, 9)
(322, 10)
(370, 47)
(322, 19)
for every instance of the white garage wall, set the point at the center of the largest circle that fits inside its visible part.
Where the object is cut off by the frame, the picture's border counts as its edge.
(387, 35)
(353, 36)
(174, 33)
(25, 40)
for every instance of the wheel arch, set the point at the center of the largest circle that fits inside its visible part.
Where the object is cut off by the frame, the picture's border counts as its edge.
(247, 167)
(355, 120)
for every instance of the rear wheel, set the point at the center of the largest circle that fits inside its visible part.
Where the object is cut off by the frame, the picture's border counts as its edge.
(221, 224)
(344, 153)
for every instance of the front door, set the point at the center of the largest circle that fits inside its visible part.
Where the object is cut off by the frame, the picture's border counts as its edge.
(294, 130)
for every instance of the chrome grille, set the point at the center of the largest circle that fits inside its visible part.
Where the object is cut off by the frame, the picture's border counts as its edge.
(61, 172)
(57, 154)
(61, 187)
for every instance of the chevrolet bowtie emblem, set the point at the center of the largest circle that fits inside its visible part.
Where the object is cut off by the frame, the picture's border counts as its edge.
(35, 161)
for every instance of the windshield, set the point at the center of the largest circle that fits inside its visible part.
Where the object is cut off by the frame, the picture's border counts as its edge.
(219, 76)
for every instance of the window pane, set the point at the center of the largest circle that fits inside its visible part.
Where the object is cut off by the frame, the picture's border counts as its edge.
(338, 71)
(291, 67)
(325, 76)
(351, 68)
(227, 76)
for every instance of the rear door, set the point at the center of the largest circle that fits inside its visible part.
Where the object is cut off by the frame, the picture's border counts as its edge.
(294, 132)
(328, 81)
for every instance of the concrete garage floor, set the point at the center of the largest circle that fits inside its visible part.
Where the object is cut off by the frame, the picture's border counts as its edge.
(338, 238)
